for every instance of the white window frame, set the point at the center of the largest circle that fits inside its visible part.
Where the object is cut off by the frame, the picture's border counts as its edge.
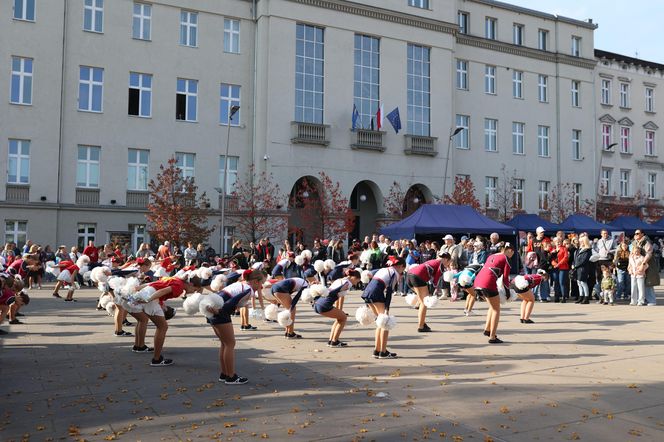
(227, 101)
(543, 144)
(490, 79)
(607, 135)
(605, 181)
(575, 90)
(650, 146)
(142, 170)
(233, 166)
(229, 234)
(462, 74)
(652, 185)
(518, 138)
(490, 135)
(143, 19)
(576, 46)
(605, 92)
(310, 73)
(14, 231)
(577, 190)
(188, 28)
(86, 232)
(25, 80)
(138, 236)
(186, 162)
(517, 84)
(491, 28)
(625, 139)
(89, 164)
(366, 77)
(91, 8)
(543, 39)
(463, 20)
(650, 99)
(543, 88)
(231, 36)
(518, 196)
(625, 178)
(189, 97)
(463, 137)
(422, 4)
(144, 93)
(543, 195)
(624, 95)
(518, 34)
(91, 84)
(576, 144)
(19, 158)
(22, 14)
(490, 186)
(418, 74)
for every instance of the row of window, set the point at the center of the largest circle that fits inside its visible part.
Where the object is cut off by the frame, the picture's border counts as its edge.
(518, 33)
(625, 142)
(88, 165)
(625, 180)
(93, 21)
(91, 93)
(624, 95)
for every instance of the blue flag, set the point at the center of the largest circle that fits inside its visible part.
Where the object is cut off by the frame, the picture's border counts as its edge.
(355, 117)
(394, 119)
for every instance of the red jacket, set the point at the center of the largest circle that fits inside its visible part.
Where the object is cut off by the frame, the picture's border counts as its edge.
(92, 252)
(563, 258)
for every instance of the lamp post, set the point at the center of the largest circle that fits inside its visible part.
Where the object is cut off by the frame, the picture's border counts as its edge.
(599, 176)
(224, 189)
(447, 159)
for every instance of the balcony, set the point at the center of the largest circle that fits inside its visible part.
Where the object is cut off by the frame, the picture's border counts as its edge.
(87, 197)
(137, 199)
(232, 203)
(16, 193)
(421, 145)
(310, 133)
(365, 139)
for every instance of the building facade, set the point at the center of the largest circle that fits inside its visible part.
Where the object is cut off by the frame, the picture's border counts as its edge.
(101, 93)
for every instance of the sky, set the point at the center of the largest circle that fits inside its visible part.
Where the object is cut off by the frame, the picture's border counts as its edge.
(625, 27)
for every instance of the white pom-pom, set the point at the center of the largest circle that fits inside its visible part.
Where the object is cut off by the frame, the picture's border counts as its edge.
(103, 287)
(330, 264)
(84, 269)
(366, 276)
(319, 266)
(204, 273)
(271, 312)
(299, 260)
(319, 290)
(130, 287)
(212, 301)
(160, 272)
(430, 301)
(104, 300)
(284, 318)
(116, 282)
(110, 308)
(364, 315)
(448, 276)
(99, 274)
(218, 283)
(182, 274)
(411, 299)
(256, 313)
(307, 254)
(191, 304)
(86, 276)
(143, 294)
(52, 268)
(307, 296)
(520, 282)
(82, 261)
(464, 280)
(386, 322)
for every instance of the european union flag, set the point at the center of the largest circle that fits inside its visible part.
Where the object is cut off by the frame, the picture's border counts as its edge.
(394, 119)
(355, 117)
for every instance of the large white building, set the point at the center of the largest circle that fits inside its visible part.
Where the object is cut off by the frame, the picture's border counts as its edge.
(100, 93)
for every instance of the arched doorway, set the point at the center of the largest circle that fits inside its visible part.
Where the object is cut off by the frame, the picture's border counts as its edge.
(416, 195)
(366, 202)
(303, 206)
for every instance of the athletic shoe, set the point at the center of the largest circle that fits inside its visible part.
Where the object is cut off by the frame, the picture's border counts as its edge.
(161, 362)
(486, 333)
(387, 355)
(641, 304)
(336, 344)
(651, 304)
(15, 321)
(144, 349)
(222, 377)
(376, 354)
(292, 336)
(123, 333)
(495, 341)
(528, 321)
(425, 329)
(248, 327)
(127, 323)
(235, 380)
(56, 295)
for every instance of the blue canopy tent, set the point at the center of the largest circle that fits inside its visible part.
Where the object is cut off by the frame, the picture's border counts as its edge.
(658, 227)
(582, 223)
(629, 224)
(445, 218)
(527, 222)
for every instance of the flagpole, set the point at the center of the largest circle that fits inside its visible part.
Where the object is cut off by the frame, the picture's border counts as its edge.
(447, 159)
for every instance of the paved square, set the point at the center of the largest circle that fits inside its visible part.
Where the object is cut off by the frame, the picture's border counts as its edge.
(581, 372)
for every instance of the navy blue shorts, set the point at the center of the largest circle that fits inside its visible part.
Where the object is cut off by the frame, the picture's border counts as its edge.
(375, 292)
(415, 281)
(487, 293)
(222, 317)
(323, 305)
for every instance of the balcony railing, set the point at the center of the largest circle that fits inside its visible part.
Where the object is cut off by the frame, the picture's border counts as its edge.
(421, 145)
(137, 199)
(232, 203)
(368, 140)
(17, 193)
(310, 133)
(87, 197)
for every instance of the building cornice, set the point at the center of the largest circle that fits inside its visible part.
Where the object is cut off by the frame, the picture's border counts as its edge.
(534, 13)
(507, 48)
(383, 15)
(645, 164)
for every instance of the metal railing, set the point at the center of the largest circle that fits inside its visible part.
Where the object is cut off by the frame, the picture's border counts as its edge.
(421, 145)
(17, 193)
(87, 197)
(137, 198)
(368, 139)
(310, 133)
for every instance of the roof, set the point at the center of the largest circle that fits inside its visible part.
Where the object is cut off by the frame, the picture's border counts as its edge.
(527, 222)
(625, 59)
(632, 223)
(579, 223)
(585, 24)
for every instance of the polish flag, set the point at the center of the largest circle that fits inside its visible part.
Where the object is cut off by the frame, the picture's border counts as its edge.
(379, 117)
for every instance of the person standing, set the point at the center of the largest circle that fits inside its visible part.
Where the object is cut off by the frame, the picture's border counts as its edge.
(621, 262)
(652, 274)
(560, 262)
(582, 266)
(605, 248)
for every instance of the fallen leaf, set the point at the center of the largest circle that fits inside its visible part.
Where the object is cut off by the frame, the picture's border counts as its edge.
(102, 376)
(488, 438)
(40, 428)
(363, 430)
(635, 432)
(574, 436)
(291, 431)
(229, 424)
(74, 430)
(264, 436)
(396, 373)
(504, 409)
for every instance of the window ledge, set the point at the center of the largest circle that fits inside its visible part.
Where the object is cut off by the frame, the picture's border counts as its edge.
(149, 40)
(140, 117)
(240, 125)
(625, 108)
(90, 31)
(609, 151)
(91, 111)
(650, 112)
(606, 104)
(521, 154)
(577, 159)
(186, 121)
(20, 104)
(24, 20)
(188, 46)
(518, 98)
(626, 154)
(650, 156)
(231, 52)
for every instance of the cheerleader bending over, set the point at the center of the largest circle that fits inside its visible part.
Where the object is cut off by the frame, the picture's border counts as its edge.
(419, 277)
(338, 272)
(324, 305)
(66, 278)
(496, 267)
(378, 295)
(234, 295)
(288, 292)
(523, 286)
(465, 280)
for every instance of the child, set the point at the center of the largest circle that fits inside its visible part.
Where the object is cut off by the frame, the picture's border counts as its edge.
(637, 271)
(608, 286)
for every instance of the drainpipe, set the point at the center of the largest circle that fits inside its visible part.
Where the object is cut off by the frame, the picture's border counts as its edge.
(558, 165)
(61, 128)
(254, 14)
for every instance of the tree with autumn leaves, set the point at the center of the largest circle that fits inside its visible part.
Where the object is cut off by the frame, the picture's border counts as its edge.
(463, 194)
(176, 212)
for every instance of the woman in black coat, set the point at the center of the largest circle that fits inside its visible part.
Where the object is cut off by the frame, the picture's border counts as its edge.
(582, 268)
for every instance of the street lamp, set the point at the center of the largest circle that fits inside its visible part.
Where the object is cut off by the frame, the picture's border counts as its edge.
(599, 176)
(447, 160)
(234, 109)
